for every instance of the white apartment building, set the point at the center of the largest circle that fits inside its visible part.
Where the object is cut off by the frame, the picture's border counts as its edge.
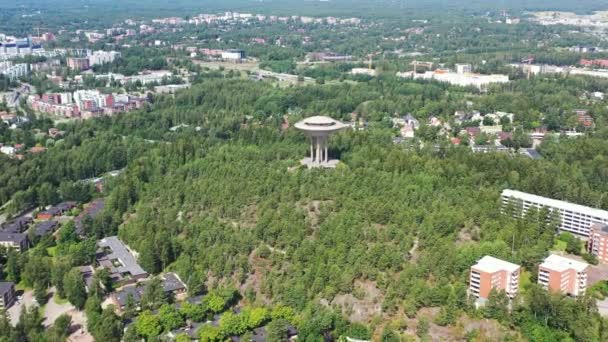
(103, 57)
(574, 218)
(478, 81)
(80, 96)
(15, 71)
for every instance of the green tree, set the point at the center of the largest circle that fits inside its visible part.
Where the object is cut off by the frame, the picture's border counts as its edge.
(40, 293)
(148, 325)
(170, 318)
(109, 327)
(497, 305)
(154, 295)
(75, 290)
(194, 312)
(277, 330)
(209, 333)
(60, 329)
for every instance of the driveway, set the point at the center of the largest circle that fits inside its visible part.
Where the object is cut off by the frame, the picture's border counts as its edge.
(27, 299)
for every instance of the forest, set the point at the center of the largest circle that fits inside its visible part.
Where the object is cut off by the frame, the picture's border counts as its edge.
(226, 205)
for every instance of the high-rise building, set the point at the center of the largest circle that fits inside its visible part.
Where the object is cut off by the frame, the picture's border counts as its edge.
(492, 273)
(598, 242)
(574, 218)
(563, 275)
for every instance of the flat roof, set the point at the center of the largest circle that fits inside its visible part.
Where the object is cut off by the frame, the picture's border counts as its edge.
(600, 228)
(491, 264)
(559, 263)
(120, 252)
(320, 123)
(549, 202)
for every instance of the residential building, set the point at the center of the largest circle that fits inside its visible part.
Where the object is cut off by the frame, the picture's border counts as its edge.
(171, 283)
(563, 275)
(583, 117)
(16, 241)
(45, 228)
(113, 255)
(78, 63)
(233, 55)
(91, 211)
(7, 295)
(56, 210)
(103, 57)
(15, 71)
(492, 273)
(464, 68)
(574, 218)
(478, 81)
(598, 242)
(19, 225)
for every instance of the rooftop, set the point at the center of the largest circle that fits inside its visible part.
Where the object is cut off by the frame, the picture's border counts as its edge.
(600, 228)
(491, 264)
(6, 287)
(46, 227)
(559, 263)
(12, 237)
(597, 213)
(118, 252)
(171, 282)
(320, 123)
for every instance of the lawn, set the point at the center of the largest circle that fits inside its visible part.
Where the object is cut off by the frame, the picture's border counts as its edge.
(560, 245)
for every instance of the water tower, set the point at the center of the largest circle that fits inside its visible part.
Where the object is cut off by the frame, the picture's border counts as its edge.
(319, 128)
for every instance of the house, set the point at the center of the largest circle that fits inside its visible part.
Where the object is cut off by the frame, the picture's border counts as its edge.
(37, 149)
(57, 210)
(113, 255)
(7, 295)
(411, 121)
(171, 283)
(473, 131)
(19, 225)
(92, 210)
(583, 117)
(45, 228)
(16, 241)
(87, 272)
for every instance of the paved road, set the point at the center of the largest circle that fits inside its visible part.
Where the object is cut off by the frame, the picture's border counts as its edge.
(14, 311)
(52, 310)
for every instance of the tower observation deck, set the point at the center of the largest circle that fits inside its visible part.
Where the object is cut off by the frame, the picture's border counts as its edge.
(319, 128)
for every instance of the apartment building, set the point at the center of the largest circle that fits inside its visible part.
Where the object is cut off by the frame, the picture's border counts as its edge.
(598, 242)
(103, 57)
(7, 295)
(492, 273)
(574, 218)
(563, 275)
(78, 63)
